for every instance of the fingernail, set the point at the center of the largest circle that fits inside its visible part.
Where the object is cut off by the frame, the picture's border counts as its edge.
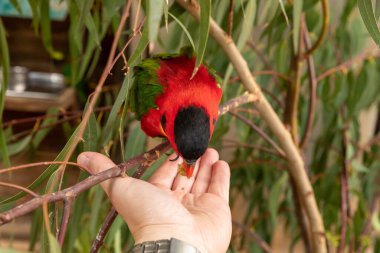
(83, 160)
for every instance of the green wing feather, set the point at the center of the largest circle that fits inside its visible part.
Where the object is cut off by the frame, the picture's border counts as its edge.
(145, 87)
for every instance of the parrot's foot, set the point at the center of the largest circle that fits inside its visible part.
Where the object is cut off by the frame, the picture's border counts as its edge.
(181, 170)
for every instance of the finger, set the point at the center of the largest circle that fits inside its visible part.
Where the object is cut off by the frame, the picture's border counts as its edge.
(220, 180)
(202, 180)
(164, 176)
(96, 163)
(182, 183)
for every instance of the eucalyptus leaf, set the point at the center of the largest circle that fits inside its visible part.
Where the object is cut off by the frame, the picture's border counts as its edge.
(204, 26)
(368, 15)
(184, 30)
(274, 197)
(90, 135)
(110, 124)
(297, 10)
(4, 58)
(377, 10)
(284, 11)
(135, 143)
(16, 4)
(53, 244)
(46, 126)
(154, 15)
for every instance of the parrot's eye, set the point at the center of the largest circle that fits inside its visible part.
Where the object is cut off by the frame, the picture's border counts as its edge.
(163, 121)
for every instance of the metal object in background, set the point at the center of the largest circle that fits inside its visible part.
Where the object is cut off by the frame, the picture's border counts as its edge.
(39, 85)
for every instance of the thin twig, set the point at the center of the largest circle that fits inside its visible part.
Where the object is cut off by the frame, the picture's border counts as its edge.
(65, 220)
(349, 63)
(366, 146)
(261, 56)
(312, 90)
(265, 72)
(260, 132)
(230, 18)
(254, 236)
(19, 187)
(344, 193)
(29, 165)
(236, 102)
(294, 89)
(121, 53)
(325, 27)
(107, 223)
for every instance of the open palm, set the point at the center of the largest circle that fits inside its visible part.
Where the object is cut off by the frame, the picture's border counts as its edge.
(194, 210)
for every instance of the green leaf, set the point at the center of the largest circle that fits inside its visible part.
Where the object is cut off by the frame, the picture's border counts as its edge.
(45, 129)
(4, 58)
(123, 93)
(377, 10)
(96, 205)
(204, 27)
(143, 43)
(274, 197)
(16, 4)
(184, 30)
(90, 136)
(297, 10)
(368, 16)
(247, 24)
(154, 14)
(35, 14)
(6, 250)
(53, 244)
(166, 14)
(91, 26)
(283, 11)
(135, 143)
(19, 146)
(46, 29)
(35, 228)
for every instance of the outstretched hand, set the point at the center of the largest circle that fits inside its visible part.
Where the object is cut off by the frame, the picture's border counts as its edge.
(194, 210)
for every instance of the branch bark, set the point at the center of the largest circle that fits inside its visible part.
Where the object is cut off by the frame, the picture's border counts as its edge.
(78, 188)
(296, 164)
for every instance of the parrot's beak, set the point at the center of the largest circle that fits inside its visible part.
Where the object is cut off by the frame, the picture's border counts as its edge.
(189, 166)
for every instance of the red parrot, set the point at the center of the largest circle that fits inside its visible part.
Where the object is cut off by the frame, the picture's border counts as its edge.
(173, 105)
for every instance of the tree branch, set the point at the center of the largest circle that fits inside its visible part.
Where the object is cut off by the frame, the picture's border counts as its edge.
(73, 191)
(296, 165)
(312, 91)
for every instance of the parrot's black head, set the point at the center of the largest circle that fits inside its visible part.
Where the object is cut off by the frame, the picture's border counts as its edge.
(191, 133)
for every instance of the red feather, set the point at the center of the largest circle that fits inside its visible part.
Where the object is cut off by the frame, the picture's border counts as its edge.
(180, 91)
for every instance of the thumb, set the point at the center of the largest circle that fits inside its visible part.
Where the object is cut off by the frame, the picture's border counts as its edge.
(95, 163)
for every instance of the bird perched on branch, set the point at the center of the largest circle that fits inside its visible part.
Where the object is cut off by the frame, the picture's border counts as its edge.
(173, 104)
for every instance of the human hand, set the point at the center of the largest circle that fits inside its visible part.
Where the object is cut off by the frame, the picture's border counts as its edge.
(194, 210)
